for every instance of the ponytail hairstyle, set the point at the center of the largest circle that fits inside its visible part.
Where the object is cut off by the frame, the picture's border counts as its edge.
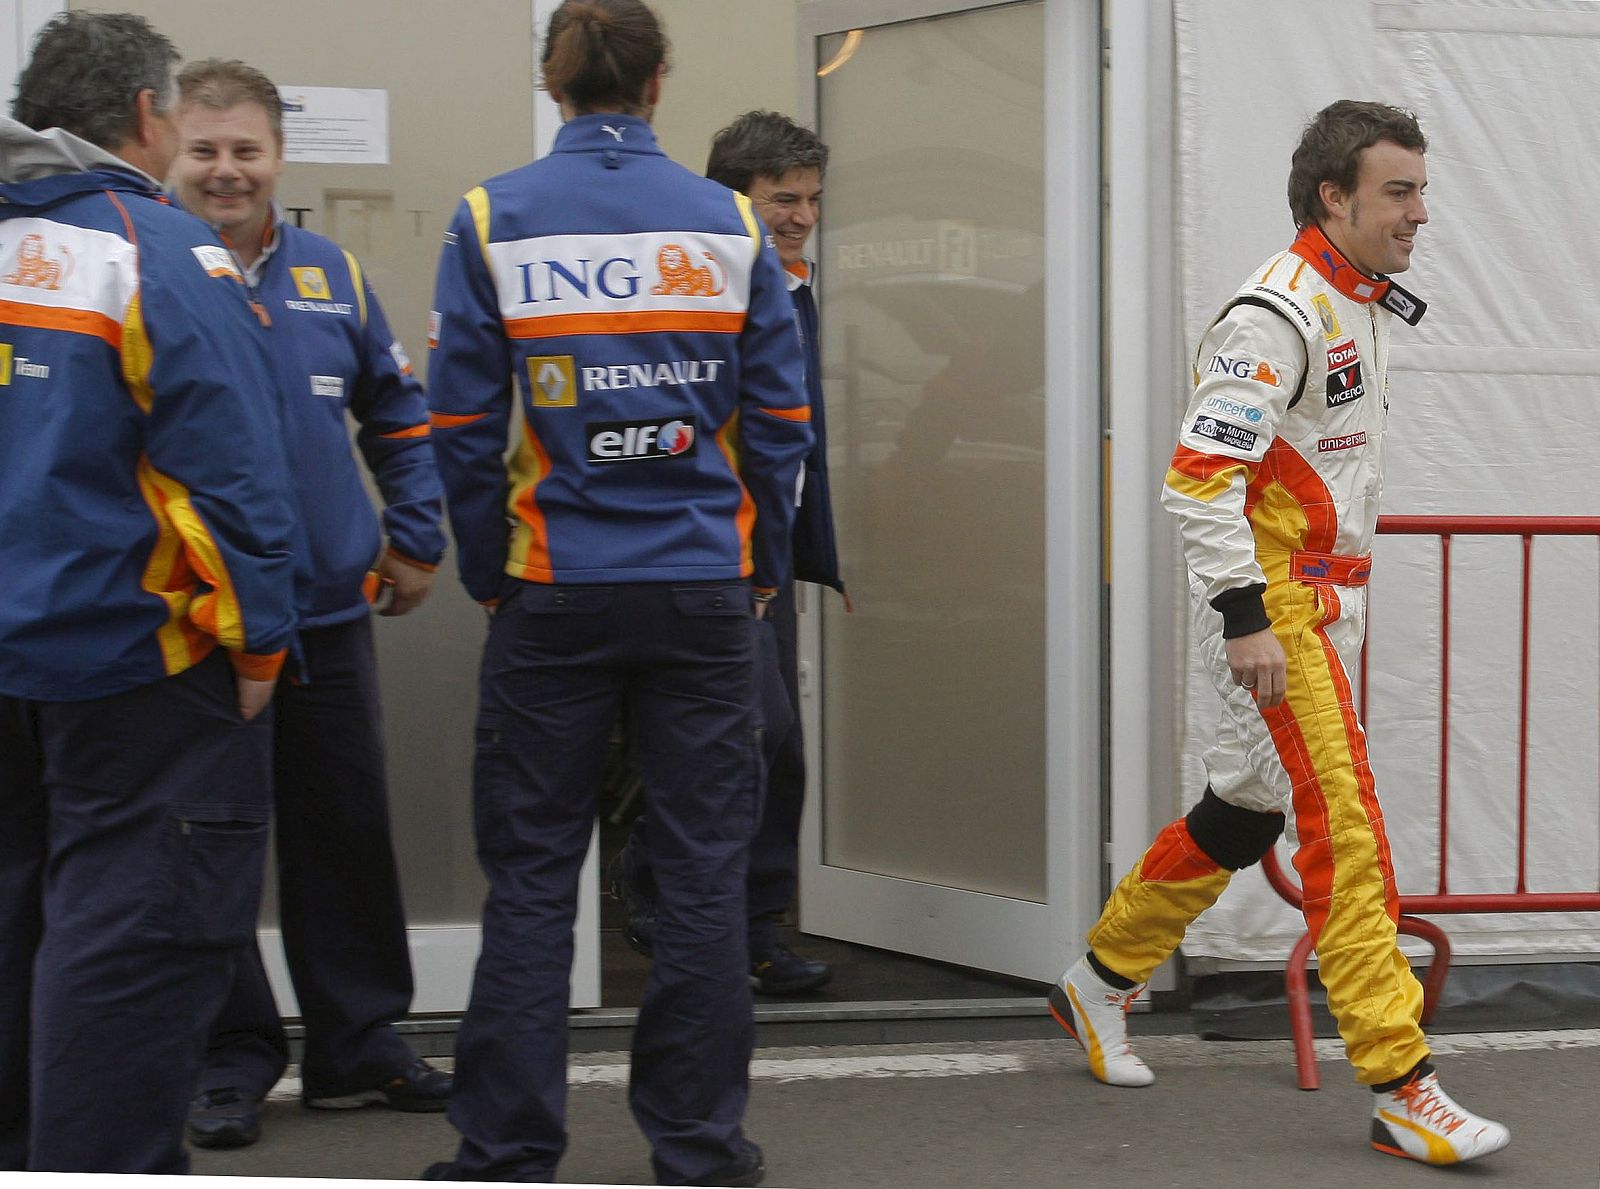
(600, 55)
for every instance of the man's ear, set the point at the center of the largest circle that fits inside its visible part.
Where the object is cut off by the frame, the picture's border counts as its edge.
(144, 115)
(1333, 198)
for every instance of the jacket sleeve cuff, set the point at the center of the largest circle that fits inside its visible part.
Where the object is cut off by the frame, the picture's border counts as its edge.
(258, 667)
(1243, 611)
(409, 561)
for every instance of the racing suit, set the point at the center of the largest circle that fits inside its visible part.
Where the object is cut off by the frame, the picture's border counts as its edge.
(1275, 482)
(340, 908)
(144, 545)
(638, 313)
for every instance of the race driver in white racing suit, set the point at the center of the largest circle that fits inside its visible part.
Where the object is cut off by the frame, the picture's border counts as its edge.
(1275, 483)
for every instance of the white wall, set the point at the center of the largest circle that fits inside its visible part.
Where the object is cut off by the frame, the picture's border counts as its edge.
(19, 21)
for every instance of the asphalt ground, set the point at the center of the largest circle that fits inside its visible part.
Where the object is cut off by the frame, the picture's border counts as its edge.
(1025, 1113)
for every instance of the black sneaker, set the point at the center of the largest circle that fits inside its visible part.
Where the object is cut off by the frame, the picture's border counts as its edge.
(777, 970)
(624, 882)
(224, 1118)
(749, 1169)
(418, 1088)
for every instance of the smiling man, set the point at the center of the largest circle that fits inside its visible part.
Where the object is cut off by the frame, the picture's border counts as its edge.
(1275, 484)
(343, 924)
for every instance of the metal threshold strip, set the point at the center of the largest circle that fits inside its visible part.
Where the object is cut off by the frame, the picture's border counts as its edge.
(826, 1012)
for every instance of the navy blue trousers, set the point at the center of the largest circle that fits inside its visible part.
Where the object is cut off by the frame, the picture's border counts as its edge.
(133, 833)
(775, 850)
(774, 869)
(558, 665)
(344, 927)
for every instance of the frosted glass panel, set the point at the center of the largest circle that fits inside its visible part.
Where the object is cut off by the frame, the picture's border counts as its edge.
(933, 343)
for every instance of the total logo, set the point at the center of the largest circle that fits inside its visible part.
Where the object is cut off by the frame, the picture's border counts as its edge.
(1344, 375)
(640, 441)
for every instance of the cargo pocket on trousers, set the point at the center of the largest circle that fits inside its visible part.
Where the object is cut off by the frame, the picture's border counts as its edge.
(491, 786)
(213, 861)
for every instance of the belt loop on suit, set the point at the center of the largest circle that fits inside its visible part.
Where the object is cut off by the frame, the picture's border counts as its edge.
(1335, 569)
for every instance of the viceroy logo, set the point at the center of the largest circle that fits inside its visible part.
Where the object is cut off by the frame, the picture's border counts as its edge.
(36, 268)
(1344, 375)
(639, 441)
(311, 284)
(681, 277)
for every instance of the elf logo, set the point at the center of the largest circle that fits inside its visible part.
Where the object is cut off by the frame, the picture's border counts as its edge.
(639, 441)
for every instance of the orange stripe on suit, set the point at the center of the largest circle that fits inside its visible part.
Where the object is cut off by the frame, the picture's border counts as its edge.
(727, 442)
(89, 322)
(633, 322)
(530, 536)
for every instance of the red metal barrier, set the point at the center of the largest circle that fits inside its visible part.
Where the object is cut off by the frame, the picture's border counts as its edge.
(1444, 900)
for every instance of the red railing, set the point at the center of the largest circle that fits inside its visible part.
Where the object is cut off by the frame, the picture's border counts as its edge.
(1444, 900)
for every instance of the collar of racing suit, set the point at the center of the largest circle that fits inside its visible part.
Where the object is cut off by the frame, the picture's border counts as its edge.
(1318, 251)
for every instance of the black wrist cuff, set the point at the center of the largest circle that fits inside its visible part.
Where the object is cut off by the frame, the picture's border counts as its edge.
(1243, 611)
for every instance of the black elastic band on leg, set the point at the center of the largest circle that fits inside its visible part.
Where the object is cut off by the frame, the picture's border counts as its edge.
(1420, 1070)
(1109, 976)
(1233, 837)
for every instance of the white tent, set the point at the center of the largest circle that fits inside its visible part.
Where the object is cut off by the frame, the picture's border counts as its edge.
(1492, 412)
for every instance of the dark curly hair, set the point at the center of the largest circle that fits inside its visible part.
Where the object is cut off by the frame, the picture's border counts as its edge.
(763, 144)
(86, 71)
(1330, 150)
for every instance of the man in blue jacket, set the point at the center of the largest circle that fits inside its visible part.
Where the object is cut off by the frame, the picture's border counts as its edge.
(343, 922)
(780, 165)
(144, 545)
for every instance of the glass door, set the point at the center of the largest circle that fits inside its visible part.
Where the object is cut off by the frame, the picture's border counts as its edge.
(955, 727)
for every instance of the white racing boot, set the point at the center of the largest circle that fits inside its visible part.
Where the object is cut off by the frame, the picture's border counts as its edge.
(1095, 1014)
(1421, 1122)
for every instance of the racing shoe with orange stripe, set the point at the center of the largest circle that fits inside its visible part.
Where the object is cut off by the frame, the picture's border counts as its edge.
(1421, 1122)
(1095, 1014)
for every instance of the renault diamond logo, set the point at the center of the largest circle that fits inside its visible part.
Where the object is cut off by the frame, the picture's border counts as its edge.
(311, 284)
(553, 382)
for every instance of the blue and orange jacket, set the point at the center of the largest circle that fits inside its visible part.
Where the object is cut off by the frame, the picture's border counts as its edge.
(144, 514)
(642, 318)
(816, 552)
(333, 353)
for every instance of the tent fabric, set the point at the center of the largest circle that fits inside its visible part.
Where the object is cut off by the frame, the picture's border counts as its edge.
(1492, 412)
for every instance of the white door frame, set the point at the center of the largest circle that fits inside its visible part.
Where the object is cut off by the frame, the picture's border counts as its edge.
(993, 932)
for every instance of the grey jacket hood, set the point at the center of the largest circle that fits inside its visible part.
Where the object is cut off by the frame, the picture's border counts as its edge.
(26, 155)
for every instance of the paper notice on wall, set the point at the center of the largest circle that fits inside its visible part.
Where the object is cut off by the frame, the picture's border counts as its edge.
(335, 125)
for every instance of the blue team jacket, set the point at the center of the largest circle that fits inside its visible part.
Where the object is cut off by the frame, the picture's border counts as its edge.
(641, 318)
(334, 354)
(816, 552)
(144, 517)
